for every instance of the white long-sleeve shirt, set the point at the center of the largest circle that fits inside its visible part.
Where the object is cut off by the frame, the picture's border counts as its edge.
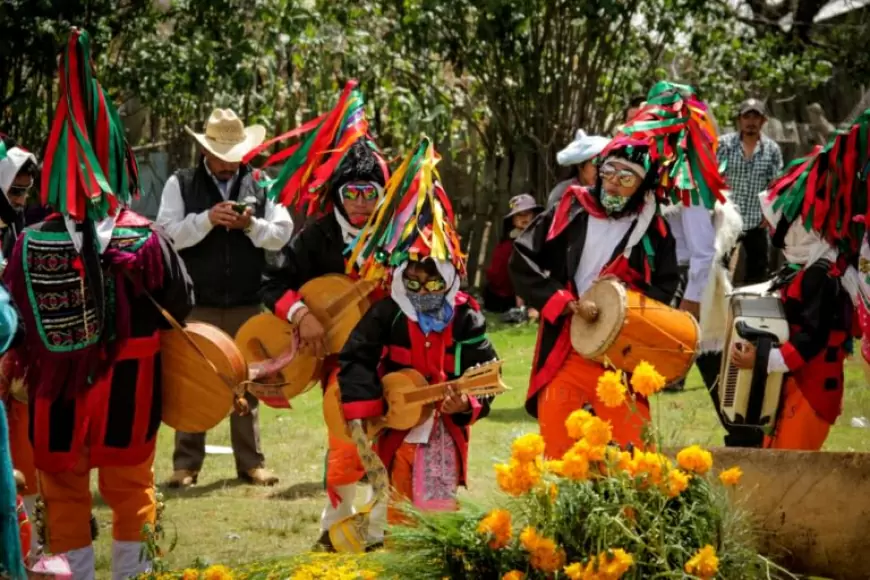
(695, 238)
(271, 232)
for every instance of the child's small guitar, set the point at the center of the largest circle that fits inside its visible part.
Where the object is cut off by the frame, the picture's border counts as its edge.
(409, 398)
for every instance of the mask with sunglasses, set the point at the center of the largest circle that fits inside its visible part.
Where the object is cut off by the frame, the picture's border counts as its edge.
(360, 190)
(622, 177)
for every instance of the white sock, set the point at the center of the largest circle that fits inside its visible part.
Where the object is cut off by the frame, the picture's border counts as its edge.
(81, 563)
(128, 560)
(331, 515)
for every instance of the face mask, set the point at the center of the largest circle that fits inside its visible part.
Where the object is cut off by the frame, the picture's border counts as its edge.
(613, 203)
(427, 303)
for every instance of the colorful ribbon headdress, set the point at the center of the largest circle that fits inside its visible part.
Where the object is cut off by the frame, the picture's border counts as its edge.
(829, 189)
(88, 164)
(413, 221)
(302, 182)
(677, 131)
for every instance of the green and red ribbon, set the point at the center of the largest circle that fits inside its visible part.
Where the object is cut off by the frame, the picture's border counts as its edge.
(88, 166)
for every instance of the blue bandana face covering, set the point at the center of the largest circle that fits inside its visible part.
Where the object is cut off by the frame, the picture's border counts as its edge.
(613, 203)
(433, 312)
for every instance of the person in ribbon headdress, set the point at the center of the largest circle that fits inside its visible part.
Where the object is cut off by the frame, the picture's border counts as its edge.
(85, 279)
(426, 324)
(337, 175)
(817, 211)
(664, 156)
(705, 223)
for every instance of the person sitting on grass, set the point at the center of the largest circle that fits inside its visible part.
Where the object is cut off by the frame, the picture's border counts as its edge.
(498, 293)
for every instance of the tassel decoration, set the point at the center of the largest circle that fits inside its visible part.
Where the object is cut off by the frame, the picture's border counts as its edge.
(829, 190)
(88, 166)
(677, 130)
(413, 221)
(311, 163)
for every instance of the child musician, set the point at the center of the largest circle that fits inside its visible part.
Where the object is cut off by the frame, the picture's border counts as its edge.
(612, 229)
(345, 197)
(819, 310)
(426, 324)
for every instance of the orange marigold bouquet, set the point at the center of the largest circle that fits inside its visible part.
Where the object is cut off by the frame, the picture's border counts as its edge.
(596, 513)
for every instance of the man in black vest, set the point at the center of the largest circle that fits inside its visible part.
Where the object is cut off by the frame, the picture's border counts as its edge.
(223, 225)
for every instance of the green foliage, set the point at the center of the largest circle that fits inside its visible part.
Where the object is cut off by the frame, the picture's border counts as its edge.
(587, 518)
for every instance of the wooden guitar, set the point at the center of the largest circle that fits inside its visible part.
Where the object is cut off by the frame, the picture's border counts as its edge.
(269, 344)
(410, 398)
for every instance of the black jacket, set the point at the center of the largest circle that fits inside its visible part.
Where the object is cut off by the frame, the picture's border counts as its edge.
(317, 250)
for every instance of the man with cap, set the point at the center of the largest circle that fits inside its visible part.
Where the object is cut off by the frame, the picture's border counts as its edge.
(752, 160)
(580, 153)
(222, 224)
(17, 175)
(498, 294)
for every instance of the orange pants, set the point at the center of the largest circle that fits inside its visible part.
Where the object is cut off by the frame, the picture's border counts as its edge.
(343, 465)
(798, 427)
(129, 492)
(571, 389)
(401, 481)
(19, 442)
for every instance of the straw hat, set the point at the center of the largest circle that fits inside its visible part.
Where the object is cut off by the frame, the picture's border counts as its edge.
(227, 138)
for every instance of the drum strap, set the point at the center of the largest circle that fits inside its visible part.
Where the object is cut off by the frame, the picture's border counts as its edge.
(240, 405)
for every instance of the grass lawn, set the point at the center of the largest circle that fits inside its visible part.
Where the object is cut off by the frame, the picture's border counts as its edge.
(222, 521)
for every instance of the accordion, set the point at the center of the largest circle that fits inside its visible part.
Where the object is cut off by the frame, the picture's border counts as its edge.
(751, 396)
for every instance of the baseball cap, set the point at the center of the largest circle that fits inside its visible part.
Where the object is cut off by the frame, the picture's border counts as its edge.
(752, 105)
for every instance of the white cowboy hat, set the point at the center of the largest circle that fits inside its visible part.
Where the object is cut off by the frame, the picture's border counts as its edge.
(227, 138)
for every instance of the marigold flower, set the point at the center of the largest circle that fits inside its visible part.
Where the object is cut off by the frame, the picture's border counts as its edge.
(529, 538)
(574, 571)
(528, 447)
(645, 380)
(614, 563)
(556, 466)
(695, 459)
(678, 481)
(367, 575)
(611, 389)
(731, 476)
(704, 564)
(547, 557)
(190, 574)
(575, 421)
(513, 575)
(597, 431)
(575, 465)
(497, 524)
(217, 573)
(517, 477)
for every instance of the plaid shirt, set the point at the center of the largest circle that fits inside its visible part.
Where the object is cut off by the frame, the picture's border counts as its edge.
(749, 177)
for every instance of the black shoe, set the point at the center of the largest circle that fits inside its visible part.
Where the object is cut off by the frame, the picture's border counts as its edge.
(375, 547)
(323, 544)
